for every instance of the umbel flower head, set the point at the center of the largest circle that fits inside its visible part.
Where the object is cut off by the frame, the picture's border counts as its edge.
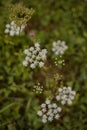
(35, 56)
(20, 14)
(49, 111)
(59, 47)
(12, 29)
(65, 95)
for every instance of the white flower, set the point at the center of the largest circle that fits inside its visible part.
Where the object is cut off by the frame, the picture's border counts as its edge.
(50, 118)
(59, 47)
(13, 23)
(18, 29)
(44, 116)
(35, 52)
(55, 111)
(49, 106)
(71, 97)
(25, 63)
(58, 97)
(37, 45)
(26, 58)
(47, 101)
(50, 111)
(43, 110)
(32, 65)
(44, 120)
(34, 57)
(57, 116)
(59, 109)
(63, 102)
(60, 89)
(43, 105)
(41, 64)
(12, 29)
(31, 60)
(6, 31)
(39, 113)
(54, 105)
(17, 32)
(26, 51)
(7, 25)
(31, 48)
(73, 93)
(65, 95)
(69, 102)
(11, 33)
(35, 62)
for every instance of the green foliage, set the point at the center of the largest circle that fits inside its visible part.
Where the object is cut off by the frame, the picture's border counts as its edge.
(52, 20)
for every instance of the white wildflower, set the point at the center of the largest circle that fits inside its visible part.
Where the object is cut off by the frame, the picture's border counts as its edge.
(25, 63)
(47, 101)
(50, 118)
(44, 120)
(39, 113)
(65, 95)
(43, 105)
(32, 65)
(59, 47)
(49, 111)
(41, 64)
(35, 58)
(12, 29)
(6, 31)
(57, 116)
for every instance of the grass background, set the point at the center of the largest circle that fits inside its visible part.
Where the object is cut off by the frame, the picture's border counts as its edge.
(53, 20)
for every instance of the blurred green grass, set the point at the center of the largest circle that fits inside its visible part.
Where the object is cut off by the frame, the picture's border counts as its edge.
(53, 20)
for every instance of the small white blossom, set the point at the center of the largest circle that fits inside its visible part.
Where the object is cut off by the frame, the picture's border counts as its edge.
(43, 110)
(63, 102)
(44, 116)
(47, 101)
(65, 95)
(32, 65)
(25, 63)
(59, 47)
(39, 113)
(54, 105)
(50, 118)
(57, 116)
(6, 31)
(59, 109)
(35, 57)
(50, 111)
(43, 105)
(7, 25)
(44, 120)
(37, 45)
(11, 33)
(41, 64)
(12, 29)
(31, 48)
(58, 97)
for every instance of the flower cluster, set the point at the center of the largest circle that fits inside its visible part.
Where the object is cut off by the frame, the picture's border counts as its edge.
(59, 47)
(12, 29)
(49, 111)
(65, 95)
(38, 88)
(35, 56)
